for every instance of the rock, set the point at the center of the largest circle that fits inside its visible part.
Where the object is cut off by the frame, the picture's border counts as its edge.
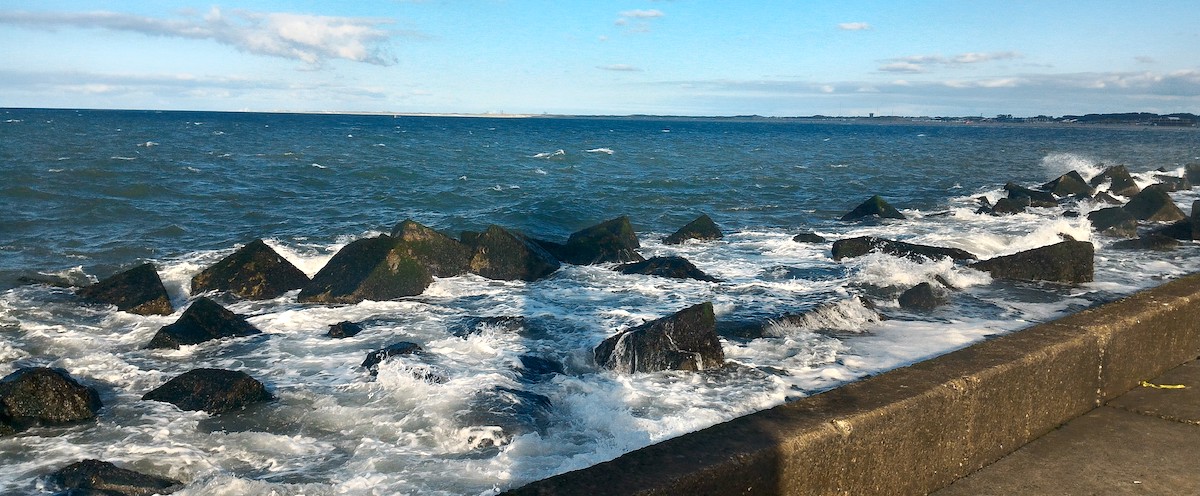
(1068, 184)
(215, 391)
(809, 237)
(204, 320)
(1122, 183)
(686, 340)
(1009, 206)
(476, 325)
(344, 329)
(985, 205)
(874, 206)
(1155, 205)
(1151, 241)
(1181, 230)
(855, 247)
(41, 395)
(608, 241)
(919, 297)
(138, 290)
(842, 316)
(495, 416)
(673, 267)
(442, 255)
(1036, 198)
(1195, 219)
(469, 238)
(109, 479)
(255, 272)
(1114, 221)
(376, 357)
(1192, 172)
(538, 369)
(1071, 214)
(368, 269)
(1172, 183)
(703, 228)
(1104, 197)
(503, 255)
(1068, 262)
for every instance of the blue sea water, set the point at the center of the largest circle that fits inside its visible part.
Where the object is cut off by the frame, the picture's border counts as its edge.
(88, 193)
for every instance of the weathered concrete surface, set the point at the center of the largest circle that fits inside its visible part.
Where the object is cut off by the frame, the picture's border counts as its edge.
(917, 429)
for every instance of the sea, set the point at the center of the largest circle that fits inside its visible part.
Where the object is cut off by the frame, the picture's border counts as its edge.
(88, 193)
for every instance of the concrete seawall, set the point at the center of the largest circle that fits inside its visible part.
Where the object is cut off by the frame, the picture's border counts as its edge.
(916, 429)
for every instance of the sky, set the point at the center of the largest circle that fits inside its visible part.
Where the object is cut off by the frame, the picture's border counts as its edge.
(606, 57)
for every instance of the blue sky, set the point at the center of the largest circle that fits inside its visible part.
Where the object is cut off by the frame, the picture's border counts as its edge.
(679, 57)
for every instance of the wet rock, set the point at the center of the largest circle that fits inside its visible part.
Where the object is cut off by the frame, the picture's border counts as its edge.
(1068, 262)
(138, 290)
(1068, 184)
(376, 357)
(495, 416)
(842, 316)
(476, 325)
(41, 395)
(1192, 172)
(1172, 183)
(1151, 241)
(538, 369)
(809, 237)
(368, 269)
(98, 477)
(1114, 221)
(503, 255)
(204, 320)
(344, 329)
(442, 255)
(1153, 204)
(1104, 197)
(686, 340)
(875, 206)
(1071, 214)
(255, 272)
(215, 391)
(468, 238)
(855, 247)
(920, 297)
(608, 241)
(1195, 219)
(1181, 230)
(1036, 198)
(703, 229)
(1010, 206)
(1121, 182)
(673, 267)
(985, 205)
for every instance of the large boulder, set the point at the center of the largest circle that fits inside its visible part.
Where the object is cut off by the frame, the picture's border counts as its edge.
(1155, 205)
(1195, 220)
(686, 340)
(673, 267)
(344, 329)
(1114, 221)
(609, 241)
(204, 320)
(1121, 182)
(1172, 183)
(809, 237)
(1192, 172)
(1009, 206)
(1151, 241)
(255, 272)
(368, 269)
(1068, 184)
(1036, 198)
(504, 255)
(41, 395)
(374, 358)
(862, 245)
(138, 290)
(1068, 262)
(875, 206)
(920, 297)
(215, 391)
(442, 255)
(98, 477)
(703, 228)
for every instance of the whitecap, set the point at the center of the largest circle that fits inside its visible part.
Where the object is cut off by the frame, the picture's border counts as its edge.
(118, 157)
(319, 166)
(148, 144)
(555, 154)
(607, 151)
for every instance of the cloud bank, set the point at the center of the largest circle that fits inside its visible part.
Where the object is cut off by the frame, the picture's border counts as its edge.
(925, 63)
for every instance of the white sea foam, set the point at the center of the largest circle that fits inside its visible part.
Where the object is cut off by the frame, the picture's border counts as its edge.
(560, 153)
(606, 151)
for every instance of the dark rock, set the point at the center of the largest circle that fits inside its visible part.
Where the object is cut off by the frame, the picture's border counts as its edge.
(1181, 230)
(1114, 221)
(557, 250)
(255, 272)
(344, 329)
(809, 237)
(703, 228)
(503, 255)
(109, 479)
(1036, 198)
(476, 325)
(495, 416)
(1192, 172)
(40, 395)
(874, 206)
(215, 391)
(855, 247)
(1155, 205)
(985, 205)
(1151, 241)
(1104, 197)
(469, 237)
(442, 255)
(1071, 214)
(376, 357)
(1172, 183)
(826, 317)
(1122, 183)
(204, 320)
(1068, 261)
(1009, 206)
(608, 241)
(919, 297)
(368, 269)
(1068, 184)
(538, 369)
(70, 280)
(1195, 219)
(138, 290)
(686, 340)
(673, 267)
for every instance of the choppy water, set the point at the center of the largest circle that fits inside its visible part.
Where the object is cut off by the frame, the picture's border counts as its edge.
(87, 193)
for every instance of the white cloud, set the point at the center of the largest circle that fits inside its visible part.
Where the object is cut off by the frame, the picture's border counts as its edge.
(904, 67)
(854, 26)
(638, 20)
(619, 68)
(925, 63)
(642, 14)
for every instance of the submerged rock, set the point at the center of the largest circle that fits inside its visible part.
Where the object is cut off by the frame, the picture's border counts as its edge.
(98, 477)
(1068, 262)
(215, 391)
(703, 229)
(503, 255)
(609, 241)
(41, 395)
(204, 320)
(920, 297)
(368, 269)
(672, 267)
(809, 237)
(874, 206)
(442, 255)
(862, 245)
(374, 358)
(1114, 221)
(1151, 241)
(1122, 183)
(1036, 198)
(686, 340)
(843, 316)
(476, 325)
(538, 369)
(1153, 204)
(344, 329)
(138, 290)
(1069, 184)
(495, 416)
(255, 272)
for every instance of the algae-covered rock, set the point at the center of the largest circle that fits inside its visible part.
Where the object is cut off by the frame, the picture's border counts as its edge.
(856, 247)
(103, 478)
(138, 290)
(686, 340)
(874, 206)
(503, 255)
(204, 320)
(41, 395)
(703, 228)
(672, 267)
(442, 255)
(215, 391)
(254, 271)
(609, 241)
(1153, 204)
(368, 269)
(1067, 262)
